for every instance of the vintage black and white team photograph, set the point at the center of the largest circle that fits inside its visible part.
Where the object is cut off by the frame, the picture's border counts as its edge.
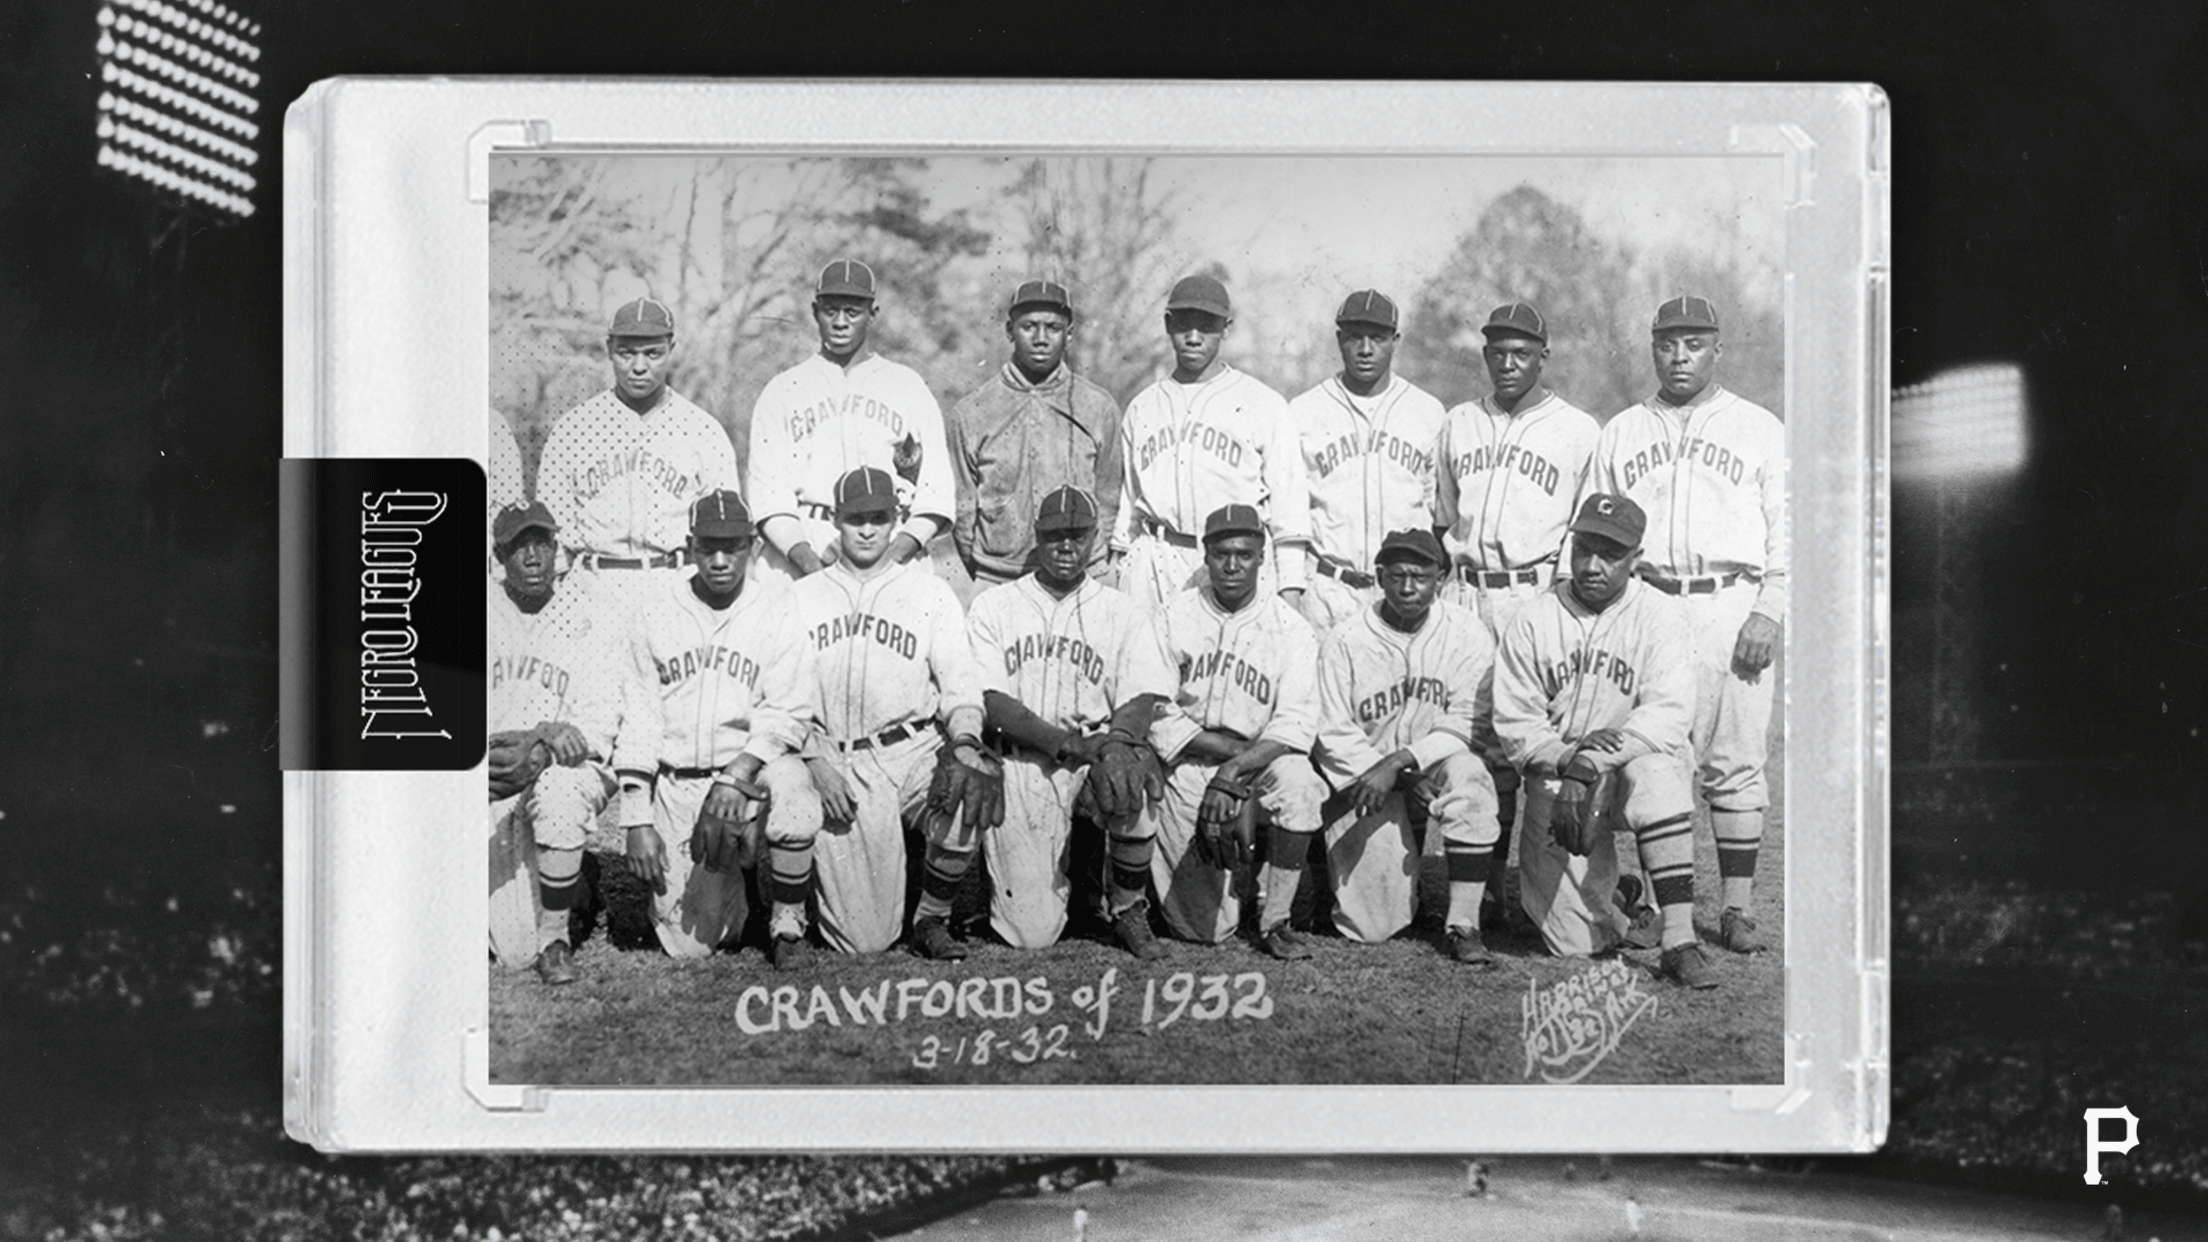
(1130, 619)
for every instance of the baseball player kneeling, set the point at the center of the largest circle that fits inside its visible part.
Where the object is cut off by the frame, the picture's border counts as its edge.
(1400, 685)
(891, 663)
(1072, 672)
(717, 696)
(1236, 740)
(1594, 695)
(552, 712)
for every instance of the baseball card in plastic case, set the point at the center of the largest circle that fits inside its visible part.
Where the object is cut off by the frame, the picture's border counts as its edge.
(1447, 713)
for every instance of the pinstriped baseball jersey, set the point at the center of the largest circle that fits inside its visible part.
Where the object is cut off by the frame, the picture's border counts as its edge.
(1368, 463)
(1381, 690)
(1070, 661)
(1509, 481)
(1254, 671)
(1711, 476)
(817, 421)
(890, 649)
(1563, 671)
(559, 664)
(1189, 449)
(620, 483)
(704, 685)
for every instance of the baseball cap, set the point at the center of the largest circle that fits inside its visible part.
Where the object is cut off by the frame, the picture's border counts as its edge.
(1411, 545)
(1368, 306)
(514, 519)
(1200, 293)
(1040, 293)
(865, 490)
(846, 278)
(644, 317)
(1068, 508)
(1686, 312)
(1233, 520)
(1612, 517)
(1517, 319)
(720, 515)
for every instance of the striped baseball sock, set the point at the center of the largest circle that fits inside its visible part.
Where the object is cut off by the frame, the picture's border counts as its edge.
(1739, 838)
(789, 883)
(940, 876)
(1667, 854)
(1285, 852)
(1130, 870)
(1468, 865)
(559, 876)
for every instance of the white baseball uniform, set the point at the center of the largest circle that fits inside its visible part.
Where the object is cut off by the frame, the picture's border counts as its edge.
(1562, 672)
(1191, 449)
(1380, 691)
(1509, 483)
(559, 665)
(891, 661)
(701, 687)
(1369, 464)
(817, 422)
(1711, 475)
(503, 476)
(1072, 662)
(1253, 673)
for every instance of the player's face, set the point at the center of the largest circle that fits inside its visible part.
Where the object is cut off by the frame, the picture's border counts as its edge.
(844, 323)
(864, 537)
(1407, 591)
(720, 562)
(1195, 336)
(1686, 362)
(1038, 339)
(640, 366)
(1368, 353)
(1062, 556)
(1601, 567)
(1513, 366)
(1232, 562)
(529, 559)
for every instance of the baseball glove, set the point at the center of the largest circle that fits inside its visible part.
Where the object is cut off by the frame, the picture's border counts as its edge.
(906, 458)
(1576, 816)
(730, 825)
(968, 782)
(515, 760)
(1226, 823)
(1124, 778)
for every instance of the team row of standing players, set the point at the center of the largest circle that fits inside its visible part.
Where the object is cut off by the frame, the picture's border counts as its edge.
(1327, 477)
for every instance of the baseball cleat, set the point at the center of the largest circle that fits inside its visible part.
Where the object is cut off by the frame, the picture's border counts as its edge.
(1736, 931)
(1463, 944)
(790, 953)
(555, 964)
(1131, 927)
(931, 938)
(1284, 943)
(1688, 966)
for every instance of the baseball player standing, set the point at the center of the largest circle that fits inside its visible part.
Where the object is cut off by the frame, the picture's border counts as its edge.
(553, 709)
(1709, 468)
(620, 471)
(1594, 694)
(843, 408)
(1072, 673)
(1206, 436)
(1236, 741)
(891, 663)
(717, 696)
(1370, 440)
(1033, 428)
(1400, 686)
(1512, 466)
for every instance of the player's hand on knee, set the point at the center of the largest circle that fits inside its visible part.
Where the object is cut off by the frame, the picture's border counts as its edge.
(968, 783)
(1225, 828)
(1754, 649)
(647, 856)
(515, 760)
(1603, 741)
(1371, 789)
(566, 742)
(837, 806)
(725, 835)
(1127, 776)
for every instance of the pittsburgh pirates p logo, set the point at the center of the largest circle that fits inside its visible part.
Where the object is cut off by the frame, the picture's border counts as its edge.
(2095, 1144)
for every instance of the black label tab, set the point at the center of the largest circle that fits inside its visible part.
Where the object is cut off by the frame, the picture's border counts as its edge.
(382, 640)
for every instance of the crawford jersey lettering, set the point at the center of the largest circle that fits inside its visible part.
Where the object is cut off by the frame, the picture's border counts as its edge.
(1228, 666)
(1509, 459)
(522, 668)
(653, 468)
(803, 423)
(1390, 699)
(1064, 649)
(1378, 441)
(1582, 662)
(1216, 441)
(866, 627)
(708, 658)
(1712, 457)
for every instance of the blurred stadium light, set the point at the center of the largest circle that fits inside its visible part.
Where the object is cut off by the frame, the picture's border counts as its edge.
(1964, 423)
(178, 98)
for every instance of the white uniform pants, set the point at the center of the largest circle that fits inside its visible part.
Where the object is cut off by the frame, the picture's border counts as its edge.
(703, 908)
(1027, 853)
(1201, 902)
(1374, 858)
(1732, 718)
(556, 812)
(860, 866)
(1573, 899)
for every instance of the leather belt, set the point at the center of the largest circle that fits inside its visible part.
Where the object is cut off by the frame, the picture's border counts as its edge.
(1356, 578)
(1159, 530)
(688, 774)
(1497, 579)
(664, 560)
(1700, 584)
(887, 737)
